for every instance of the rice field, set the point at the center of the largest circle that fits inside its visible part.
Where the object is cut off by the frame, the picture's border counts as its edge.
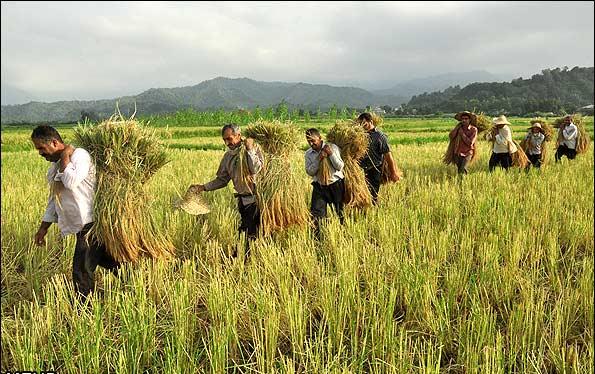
(491, 273)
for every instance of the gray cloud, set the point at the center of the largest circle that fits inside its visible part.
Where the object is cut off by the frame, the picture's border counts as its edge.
(97, 50)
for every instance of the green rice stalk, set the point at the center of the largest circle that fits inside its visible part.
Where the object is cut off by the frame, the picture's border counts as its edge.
(126, 155)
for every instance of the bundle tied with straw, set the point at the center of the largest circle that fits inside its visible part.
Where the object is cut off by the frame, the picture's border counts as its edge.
(583, 140)
(353, 141)
(126, 155)
(547, 130)
(278, 191)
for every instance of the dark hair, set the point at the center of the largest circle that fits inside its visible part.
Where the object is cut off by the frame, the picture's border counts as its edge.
(46, 134)
(234, 128)
(365, 117)
(312, 132)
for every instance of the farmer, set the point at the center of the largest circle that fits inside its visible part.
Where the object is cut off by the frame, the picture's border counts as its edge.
(534, 140)
(72, 179)
(327, 189)
(230, 168)
(378, 151)
(465, 136)
(503, 145)
(567, 136)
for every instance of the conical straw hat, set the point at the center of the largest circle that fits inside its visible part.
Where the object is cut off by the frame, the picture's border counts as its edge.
(192, 203)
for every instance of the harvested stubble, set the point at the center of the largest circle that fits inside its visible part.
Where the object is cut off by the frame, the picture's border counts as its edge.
(353, 141)
(278, 189)
(548, 131)
(126, 155)
(583, 140)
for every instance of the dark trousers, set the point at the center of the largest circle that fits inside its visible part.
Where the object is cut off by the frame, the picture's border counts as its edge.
(250, 221)
(462, 163)
(563, 150)
(535, 160)
(373, 180)
(322, 196)
(502, 159)
(88, 253)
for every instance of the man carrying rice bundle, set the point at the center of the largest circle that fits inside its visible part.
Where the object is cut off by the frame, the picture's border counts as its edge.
(73, 180)
(378, 151)
(462, 147)
(567, 139)
(534, 144)
(325, 166)
(242, 172)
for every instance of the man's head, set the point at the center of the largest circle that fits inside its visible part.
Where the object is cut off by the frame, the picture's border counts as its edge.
(465, 119)
(366, 121)
(314, 139)
(48, 142)
(231, 135)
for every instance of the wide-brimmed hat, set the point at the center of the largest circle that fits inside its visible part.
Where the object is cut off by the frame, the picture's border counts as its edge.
(192, 203)
(536, 124)
(472, 116)
(500, 120)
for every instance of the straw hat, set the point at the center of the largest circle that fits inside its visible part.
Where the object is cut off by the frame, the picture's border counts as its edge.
(472, 116)
(536, 124)
(192, 203)
(501, 120)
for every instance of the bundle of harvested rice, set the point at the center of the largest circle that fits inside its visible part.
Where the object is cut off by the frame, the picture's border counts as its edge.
(583, 140)
(278, 189)
(324, 171)
(376, 119)
(387, 173)
(519, 158)
(126, 155)
(483, 123)
(192, 203)
(353, 140)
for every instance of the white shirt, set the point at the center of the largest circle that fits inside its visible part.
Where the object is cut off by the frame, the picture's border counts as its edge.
(504, 143)
(313, 162)
(535, 139)
(73, 208)
(570, 134)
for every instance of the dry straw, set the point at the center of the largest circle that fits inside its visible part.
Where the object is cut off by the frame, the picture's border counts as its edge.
(126, 156)
(583, 140)
(353, 141)
(278, 193)
(192, 203)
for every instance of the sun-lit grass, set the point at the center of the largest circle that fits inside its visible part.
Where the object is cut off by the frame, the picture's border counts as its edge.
(491, 273)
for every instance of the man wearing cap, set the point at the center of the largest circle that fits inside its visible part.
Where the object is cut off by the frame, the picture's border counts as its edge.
(534, 140)
(231, 169)
(503, 146)
(72, 180)
(378, 151)
(567, 136)
(464, 135)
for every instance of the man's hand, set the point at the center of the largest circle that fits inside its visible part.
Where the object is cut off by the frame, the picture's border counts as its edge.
(327, 149)
(67, 152)
(249, 143)
(196, 188)
(40, 236)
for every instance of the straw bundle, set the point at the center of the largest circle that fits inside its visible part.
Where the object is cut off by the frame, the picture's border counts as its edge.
(278, 193)
(324, 172)
(387, 173)
(483, 123)
(583, 140)
(376, 119)
(126, 155)
(353, 141)
(519, 158)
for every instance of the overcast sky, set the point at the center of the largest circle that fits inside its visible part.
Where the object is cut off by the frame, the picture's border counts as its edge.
(93, 50)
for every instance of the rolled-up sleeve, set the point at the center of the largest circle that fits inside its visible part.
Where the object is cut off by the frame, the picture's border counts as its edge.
(221, 180)
(76, 171)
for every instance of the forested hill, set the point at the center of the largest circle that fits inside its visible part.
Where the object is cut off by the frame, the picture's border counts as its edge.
(554, 90)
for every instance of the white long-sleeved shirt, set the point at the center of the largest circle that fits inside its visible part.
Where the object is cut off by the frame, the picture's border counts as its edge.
(312, 160)
(570, 133)
(73, 207)
(503, 142)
